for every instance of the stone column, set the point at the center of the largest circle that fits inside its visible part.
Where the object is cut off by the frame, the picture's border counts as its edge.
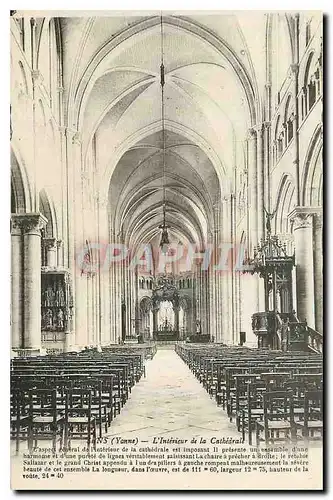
(81, 303)
(118, 294)
(253, 185)
(211, 294)
(154, 321)
(224, 275)
(50, 245)
(253, 282)
(176, 311)
(301, 219)
(218, 274)
(318, 270)
(31, 224)
(260, 180)
(16, 283)
(104, 273)
(60, 246)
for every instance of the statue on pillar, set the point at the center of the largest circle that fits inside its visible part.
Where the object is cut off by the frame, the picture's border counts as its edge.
(47, 320)
(269, 217)
(60, 297)
(48, 297)
(60, 320)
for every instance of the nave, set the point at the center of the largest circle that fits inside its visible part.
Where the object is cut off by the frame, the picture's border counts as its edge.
(166, 180)
(170, 402)
(166, 227)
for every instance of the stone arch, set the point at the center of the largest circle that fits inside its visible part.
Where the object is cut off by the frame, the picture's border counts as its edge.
(285, 201)
(24, 80)
(145, 308)
(145, 304)
(42, 113)
(312, 178)
(19, 182)
(47, 209)
(185, 313)
(275, 23)
(289, 119)
(310, 78)
(308, 68)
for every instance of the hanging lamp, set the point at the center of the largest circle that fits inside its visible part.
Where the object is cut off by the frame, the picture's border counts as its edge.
(164, 243)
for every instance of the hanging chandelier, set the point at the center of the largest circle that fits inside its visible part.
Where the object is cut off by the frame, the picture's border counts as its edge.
(164, 243)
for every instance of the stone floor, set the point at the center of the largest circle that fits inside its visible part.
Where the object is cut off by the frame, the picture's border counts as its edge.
(171, 402)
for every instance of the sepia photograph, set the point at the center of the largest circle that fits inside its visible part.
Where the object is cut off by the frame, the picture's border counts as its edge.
(166, 233)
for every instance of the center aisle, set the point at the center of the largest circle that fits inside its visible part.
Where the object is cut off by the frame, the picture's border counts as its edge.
(170, 401)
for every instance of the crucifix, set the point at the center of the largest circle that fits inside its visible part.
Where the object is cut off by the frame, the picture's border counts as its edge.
(269, 217)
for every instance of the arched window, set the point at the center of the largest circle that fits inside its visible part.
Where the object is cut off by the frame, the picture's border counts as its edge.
(311, 87)
(312, 92)
(280, 144)
(289, 120)
(276, 145)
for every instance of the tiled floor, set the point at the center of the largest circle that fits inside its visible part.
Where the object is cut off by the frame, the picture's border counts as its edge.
(171, 402)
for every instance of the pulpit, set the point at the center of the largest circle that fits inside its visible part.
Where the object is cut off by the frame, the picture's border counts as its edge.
(272, 263)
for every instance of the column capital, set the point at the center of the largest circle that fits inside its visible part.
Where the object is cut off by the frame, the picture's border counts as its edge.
(28, 223)
(259, 129)
(252, 133)
(36, 75)
(50, 243)
(62, 129)
(73, 136)
(292, 117)
(301, 217)
(76, 139)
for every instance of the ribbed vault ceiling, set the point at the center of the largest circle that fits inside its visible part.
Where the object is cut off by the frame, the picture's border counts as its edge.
(115, 88)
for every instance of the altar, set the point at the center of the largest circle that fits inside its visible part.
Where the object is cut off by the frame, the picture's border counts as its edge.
(165, 301)
(166, 331)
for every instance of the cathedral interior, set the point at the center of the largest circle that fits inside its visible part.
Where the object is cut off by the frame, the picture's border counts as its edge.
(129, 129)
(166, 212)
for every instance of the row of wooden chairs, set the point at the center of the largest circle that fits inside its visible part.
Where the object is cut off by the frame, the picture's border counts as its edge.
(75, 395)
(272, 394)
(42, 415)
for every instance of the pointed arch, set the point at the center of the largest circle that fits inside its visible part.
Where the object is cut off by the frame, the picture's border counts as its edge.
(285, 202)
(21, 188)
(48, 210)
(312, 178)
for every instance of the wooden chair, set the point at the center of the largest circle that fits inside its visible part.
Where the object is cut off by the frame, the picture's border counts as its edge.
(79, 422)
(278, 419)
(45, 419)
(253, 410)
(311, 426)
(98, 408)
(19, 417)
